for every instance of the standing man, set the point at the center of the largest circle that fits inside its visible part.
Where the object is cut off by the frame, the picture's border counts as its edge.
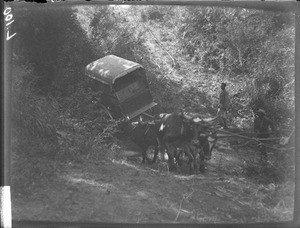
(262, 125)
(223, 105)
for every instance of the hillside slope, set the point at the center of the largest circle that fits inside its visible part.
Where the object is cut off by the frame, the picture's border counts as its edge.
(91, 176)
(128, 192)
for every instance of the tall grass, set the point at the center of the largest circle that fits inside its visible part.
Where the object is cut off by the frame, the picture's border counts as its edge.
(44, 132)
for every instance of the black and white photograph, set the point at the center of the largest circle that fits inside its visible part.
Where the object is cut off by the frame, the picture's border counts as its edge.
(150, 113)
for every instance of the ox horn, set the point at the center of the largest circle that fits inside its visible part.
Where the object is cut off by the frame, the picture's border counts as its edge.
(197, 120)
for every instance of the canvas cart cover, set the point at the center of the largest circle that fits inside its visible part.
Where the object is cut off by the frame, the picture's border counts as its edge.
(109, 68)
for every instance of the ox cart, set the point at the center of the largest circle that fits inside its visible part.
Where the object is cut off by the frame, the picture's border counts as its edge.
(122, 92)
(121, 88)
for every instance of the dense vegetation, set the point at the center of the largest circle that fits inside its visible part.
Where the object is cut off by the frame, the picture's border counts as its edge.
(253, 51)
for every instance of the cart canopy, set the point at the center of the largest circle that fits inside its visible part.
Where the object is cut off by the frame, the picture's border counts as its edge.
(110, 68)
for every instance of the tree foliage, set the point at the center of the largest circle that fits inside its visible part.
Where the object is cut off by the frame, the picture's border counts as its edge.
(254, 45)
(251, 49)
(53, 44)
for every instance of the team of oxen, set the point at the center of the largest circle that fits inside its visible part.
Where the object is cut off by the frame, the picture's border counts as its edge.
(176, 135)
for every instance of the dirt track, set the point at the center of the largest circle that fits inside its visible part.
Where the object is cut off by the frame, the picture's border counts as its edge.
(127, 191)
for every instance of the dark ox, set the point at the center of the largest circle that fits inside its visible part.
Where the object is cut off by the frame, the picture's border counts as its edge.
(145, 135)
(176, 131)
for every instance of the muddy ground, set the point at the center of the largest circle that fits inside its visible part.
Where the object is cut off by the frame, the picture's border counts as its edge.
(123, 190)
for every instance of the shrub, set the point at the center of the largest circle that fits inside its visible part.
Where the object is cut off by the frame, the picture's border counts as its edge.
(57, 52)
(34, 115)
(279, 169)
(35, 120)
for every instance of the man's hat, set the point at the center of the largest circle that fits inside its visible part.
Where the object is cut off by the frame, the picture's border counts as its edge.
(223, 84)
(261, 111)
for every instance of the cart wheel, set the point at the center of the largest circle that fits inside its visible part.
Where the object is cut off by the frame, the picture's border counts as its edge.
(106, 112)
